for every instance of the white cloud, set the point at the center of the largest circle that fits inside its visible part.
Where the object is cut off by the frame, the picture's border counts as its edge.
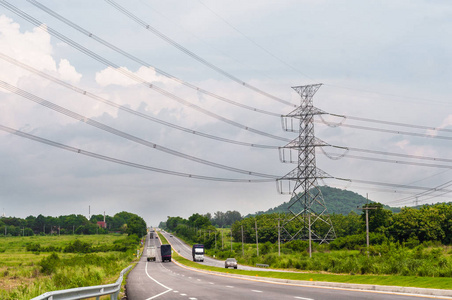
(361, 56)
(68, 72)
(112, 76)
(31, 47)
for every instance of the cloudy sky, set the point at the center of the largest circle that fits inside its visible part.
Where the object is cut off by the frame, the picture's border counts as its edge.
(385, 61)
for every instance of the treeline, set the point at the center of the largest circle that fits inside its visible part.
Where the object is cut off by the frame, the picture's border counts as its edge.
(123, 222)
(219, 219)
(196, 229)
(411, 226)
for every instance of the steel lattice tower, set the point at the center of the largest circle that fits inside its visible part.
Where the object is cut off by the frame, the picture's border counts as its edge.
(308, 213)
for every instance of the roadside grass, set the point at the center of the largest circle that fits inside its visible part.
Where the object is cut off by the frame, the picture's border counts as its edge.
(388, 280)
(25, 274)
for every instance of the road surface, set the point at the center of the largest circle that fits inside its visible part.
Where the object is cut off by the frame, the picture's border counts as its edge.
(158, 280)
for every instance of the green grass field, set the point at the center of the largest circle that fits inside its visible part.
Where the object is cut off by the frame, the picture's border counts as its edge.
(25, 274)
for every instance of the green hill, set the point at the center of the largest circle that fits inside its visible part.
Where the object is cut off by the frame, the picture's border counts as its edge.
(337, 201)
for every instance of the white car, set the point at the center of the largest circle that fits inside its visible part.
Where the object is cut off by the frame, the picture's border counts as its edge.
(230, 263)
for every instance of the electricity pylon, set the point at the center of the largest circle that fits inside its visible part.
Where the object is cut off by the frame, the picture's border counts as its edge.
(308, 218)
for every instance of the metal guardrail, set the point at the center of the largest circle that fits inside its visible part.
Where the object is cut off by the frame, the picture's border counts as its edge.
(262, 265)
(86, 292)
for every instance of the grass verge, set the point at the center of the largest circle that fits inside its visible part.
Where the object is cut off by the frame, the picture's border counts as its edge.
(389, 280)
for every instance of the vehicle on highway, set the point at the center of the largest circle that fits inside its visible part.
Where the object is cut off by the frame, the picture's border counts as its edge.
(230, 263)
(151, 253)
(165, 251)
(198, 252)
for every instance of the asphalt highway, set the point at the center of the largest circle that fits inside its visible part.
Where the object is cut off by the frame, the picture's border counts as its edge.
(185, 251)
(158, 280)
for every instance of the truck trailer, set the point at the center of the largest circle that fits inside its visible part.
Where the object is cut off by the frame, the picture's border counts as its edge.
(151, 253)
(198, 252)
(165, 251)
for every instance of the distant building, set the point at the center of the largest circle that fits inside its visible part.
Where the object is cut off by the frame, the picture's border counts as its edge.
(102, 224)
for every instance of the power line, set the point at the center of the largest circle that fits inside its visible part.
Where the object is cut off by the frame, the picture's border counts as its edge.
(193, 55)
(136, 59)
(127, 109)
(393, 161)
(403, 186)
(122, 134)
(392, 131)
(400, 155)
(392, 123)
(428, 192)
(123, 162)
(131, 75)
(305, 75)
(254, 42)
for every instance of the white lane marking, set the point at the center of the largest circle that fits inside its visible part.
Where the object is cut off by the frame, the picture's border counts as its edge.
(230, 286)
(191, 298)
(211, 283)
(303, 298)
(183, 294)
(256, 291)
(198, 279)
(175, 291)
(158, 295)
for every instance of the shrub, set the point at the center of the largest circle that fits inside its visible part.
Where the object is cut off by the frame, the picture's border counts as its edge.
(78, 247)
(266, 248)
(50, 263)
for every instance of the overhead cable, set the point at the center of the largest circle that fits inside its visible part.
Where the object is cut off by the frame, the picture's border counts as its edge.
(403, 186)
(127, 109)
(193, 55)
(391, 123)
(254, 42)
(123, 162)
(393, 131)
(122, 134)
(146, 64)
(400, 155)
(132, 76)
(428, 192)
(303, 74)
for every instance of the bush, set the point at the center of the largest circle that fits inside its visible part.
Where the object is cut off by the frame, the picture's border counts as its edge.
(78, 247)
(265, 248)
(50, 263)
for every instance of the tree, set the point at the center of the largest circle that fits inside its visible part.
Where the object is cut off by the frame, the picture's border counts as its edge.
(379, 218)
(136, 225)
(198, 221)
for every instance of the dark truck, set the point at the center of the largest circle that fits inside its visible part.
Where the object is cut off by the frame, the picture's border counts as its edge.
(165, 250)
(198, 252)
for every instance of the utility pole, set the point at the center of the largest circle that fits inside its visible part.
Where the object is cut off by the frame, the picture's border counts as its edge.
(257, 240)
(279, 239)
(367, 223)
(243, 250)
(306, 206)
(231, 240)
(310, 237)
